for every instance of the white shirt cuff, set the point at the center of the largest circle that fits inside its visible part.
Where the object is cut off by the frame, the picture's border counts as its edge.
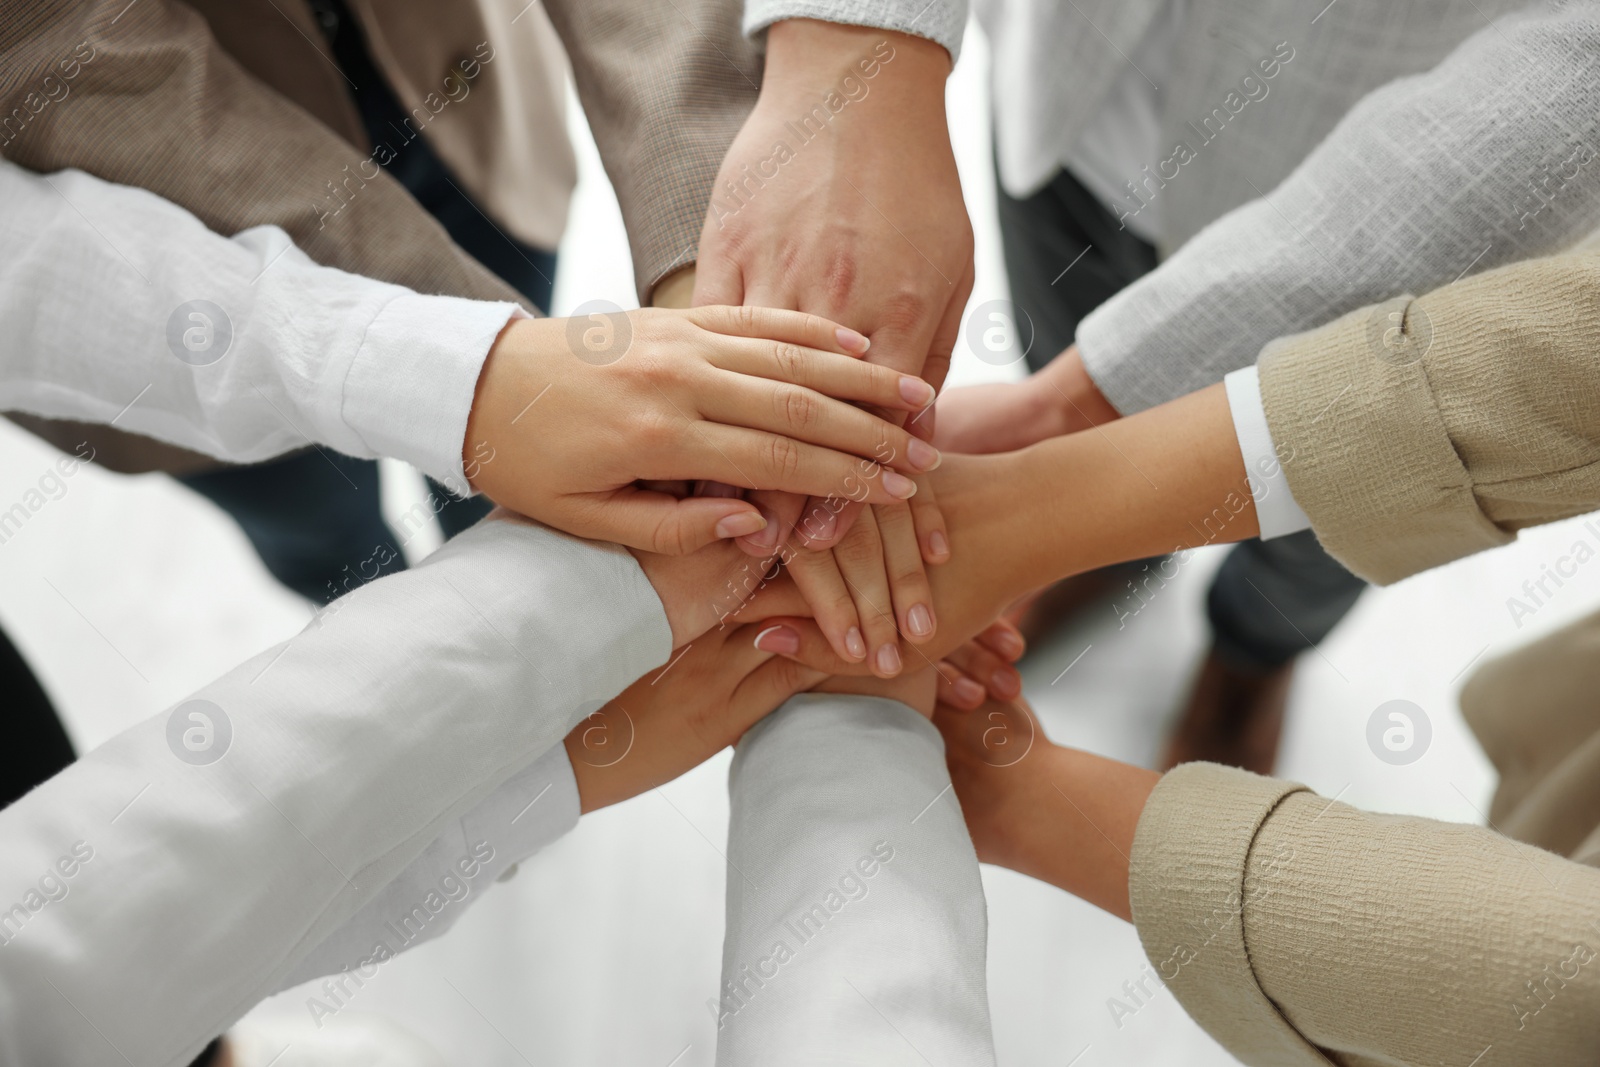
(409, 389)
(1276, 510)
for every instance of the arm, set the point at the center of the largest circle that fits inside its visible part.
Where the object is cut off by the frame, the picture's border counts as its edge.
(1379, 936)
(664, 724)
(339, 756)
(1384, 204)
(853, 894)
(282, 353)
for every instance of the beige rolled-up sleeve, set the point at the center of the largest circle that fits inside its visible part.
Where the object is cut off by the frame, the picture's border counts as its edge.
(1298, 930)
(1425, 429)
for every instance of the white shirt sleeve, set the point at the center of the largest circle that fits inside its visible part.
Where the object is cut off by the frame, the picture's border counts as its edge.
(158, 888)
(1276, 510)
(857, 930)
(120, 307)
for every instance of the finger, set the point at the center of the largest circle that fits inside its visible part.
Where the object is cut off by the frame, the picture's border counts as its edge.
(861, 563)
(766, 688)
(1004, 639)
(657, 522)
(957, 689)
(933, 537)
(841, 515)
(755, 459)
(908, 582)
(800, 640)
(825, 372)
(943, 343)
(998, 677)
(782, 511)
(718, 280)
(817, 576)
(808, 416)
(778, 324)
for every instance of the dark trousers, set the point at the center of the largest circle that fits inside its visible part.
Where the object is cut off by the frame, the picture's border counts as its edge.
(1271, 600)
(314, 517)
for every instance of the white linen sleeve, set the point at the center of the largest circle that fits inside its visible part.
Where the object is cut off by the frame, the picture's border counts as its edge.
(157, 889)
(1384, 205)
(531, 809)
(856, 929)
(941, 21)
(121, 307)
(1277, 512)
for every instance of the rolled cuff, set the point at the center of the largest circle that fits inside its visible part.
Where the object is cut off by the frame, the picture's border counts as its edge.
(1365, 447)
(1186, 885)
(941, 21)
(1277, 513)
(409, 389)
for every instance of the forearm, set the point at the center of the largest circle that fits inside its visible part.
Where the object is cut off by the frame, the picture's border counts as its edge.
(282, 353)
(1382, 206)
(852, 890)
(1166, 479)
(352, 745)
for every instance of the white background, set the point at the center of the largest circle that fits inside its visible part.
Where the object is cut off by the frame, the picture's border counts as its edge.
(128, 593)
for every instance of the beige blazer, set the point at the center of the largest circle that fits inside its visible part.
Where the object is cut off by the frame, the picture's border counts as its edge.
(1299, 930)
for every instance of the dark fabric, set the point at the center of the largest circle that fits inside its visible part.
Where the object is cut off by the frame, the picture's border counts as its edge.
(1065, 256)
(315, 517)
(1270, 600)
(36, 745)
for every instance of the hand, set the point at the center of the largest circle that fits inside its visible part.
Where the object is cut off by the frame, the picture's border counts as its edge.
(737, 395)
(1003, 417)
(840, 196)
(914, 689)
(675, 718)
(983, 668)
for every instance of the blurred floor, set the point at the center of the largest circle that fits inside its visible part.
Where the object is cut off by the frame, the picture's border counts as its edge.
(128, 593)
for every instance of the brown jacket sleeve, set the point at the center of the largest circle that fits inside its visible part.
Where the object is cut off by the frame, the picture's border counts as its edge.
(1302, 931)
(156, 103)
(666, 84)
(1426, 429)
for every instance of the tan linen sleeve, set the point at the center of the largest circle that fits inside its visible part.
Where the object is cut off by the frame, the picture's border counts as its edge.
(1298, 930)
(156, 102)
(666, 87)
(1425, 429)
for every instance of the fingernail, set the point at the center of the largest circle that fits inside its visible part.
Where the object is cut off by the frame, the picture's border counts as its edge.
(916, 391)
(898, 485)
(822, 529)
(765, 535)
(888, 660)
(939, 545)
(922, 455)
(854, 644)
(1010, 644)
(778, 639)
(967, 691)
(919, 620)
(851, 341)
(740, 524)
(1005, 683)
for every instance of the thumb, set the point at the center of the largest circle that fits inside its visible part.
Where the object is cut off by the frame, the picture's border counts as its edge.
(657, 522)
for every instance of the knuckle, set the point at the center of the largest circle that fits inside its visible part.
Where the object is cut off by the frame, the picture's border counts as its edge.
(798, 408)
(784, 458)
(790, 361)
(906, 311)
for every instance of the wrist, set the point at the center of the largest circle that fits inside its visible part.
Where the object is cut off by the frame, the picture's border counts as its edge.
(512, 373)
(1076, 401)
(812, 58)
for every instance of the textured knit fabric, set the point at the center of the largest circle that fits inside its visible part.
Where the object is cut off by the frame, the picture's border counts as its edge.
(1301, 931)
(856, 929)
(942, 21)
(1426, 179)
(1422, 430)
(197, 886)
